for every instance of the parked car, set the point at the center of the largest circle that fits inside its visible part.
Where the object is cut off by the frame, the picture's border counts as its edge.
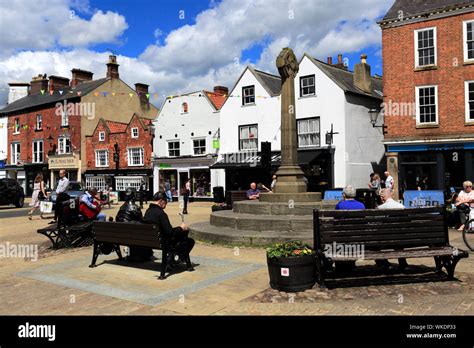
(74, 190)
(11, 193)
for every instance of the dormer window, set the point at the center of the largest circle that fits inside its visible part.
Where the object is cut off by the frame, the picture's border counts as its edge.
(101, 136)
(134, 132)
(184, 108)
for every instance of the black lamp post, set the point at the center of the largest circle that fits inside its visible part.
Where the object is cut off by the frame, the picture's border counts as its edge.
(374, 115)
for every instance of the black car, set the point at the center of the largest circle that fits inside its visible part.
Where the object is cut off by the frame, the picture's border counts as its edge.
(11, 193)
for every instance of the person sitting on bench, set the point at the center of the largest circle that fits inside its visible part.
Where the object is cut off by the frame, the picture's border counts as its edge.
(465, 202)
(253, 193)
(176, 236)
(130, 212)
(90, 205)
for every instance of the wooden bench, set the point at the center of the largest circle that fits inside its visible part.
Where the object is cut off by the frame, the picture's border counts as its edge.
(69, 231)
(236, 196)
(384, 234)
(108, 236)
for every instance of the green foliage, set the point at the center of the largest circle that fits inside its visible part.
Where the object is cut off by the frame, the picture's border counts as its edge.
(289, 249)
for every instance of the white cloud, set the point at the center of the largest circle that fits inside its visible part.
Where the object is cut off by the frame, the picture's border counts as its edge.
(45, 24)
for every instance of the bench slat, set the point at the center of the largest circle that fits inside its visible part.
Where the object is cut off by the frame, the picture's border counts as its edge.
(129, 242)
(128, 235)
(426, 230)
(325, 227)
(396, 254)
(378, 212)
(383, 237)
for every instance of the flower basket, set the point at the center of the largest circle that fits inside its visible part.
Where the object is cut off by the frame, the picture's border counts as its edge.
(291, 266)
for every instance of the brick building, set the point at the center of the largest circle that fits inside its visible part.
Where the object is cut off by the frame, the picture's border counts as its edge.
(47, 128)
(428, 69)
(119, 154)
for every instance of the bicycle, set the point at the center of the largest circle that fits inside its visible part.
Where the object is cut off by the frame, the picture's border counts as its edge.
(468, 231)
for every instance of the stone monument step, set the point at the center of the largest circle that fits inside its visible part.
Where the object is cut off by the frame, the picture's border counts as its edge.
(205, 232)
(253, 222)
(273, 208)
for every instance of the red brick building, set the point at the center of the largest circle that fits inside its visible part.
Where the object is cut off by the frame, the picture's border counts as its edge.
(119, 154)
(428, 70)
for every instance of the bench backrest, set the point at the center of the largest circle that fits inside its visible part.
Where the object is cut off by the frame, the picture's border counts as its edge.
(128, 233)
(381, 229)
(236, 196)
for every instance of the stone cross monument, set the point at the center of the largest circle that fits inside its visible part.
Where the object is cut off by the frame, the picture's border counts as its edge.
(290, 176)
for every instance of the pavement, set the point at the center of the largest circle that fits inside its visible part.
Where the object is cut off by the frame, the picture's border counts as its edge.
(228, 280)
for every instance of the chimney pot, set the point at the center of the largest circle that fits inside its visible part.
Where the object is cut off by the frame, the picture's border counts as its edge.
(222, 90)
(330, 60)
(339, 58)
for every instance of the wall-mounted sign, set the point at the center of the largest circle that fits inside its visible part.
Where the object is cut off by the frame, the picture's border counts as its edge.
(60, 162)
(215, 144)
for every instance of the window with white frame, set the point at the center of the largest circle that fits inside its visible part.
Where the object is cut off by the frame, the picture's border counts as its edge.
(96, 181)
(468, 41)
(64, 145)
(425, 47)
(427, 105)
(135, 132)
(64, 119)
(308, 132)
(101, 136)
(15, 153)
(16, 130)
(248, 95)
(124, 182)
(173, 148)
(101, 158)
(199, 146)
(38, 153)
(39, 122)
(307, 86)
(136, 156)
(248, 137)
(469, 90)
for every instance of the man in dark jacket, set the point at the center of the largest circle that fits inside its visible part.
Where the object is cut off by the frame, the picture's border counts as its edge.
(130, 212)
(177, 237)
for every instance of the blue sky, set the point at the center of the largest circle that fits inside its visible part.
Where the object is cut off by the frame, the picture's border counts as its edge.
(210, 46)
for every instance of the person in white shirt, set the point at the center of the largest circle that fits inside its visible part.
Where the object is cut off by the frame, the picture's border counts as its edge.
(61, 195)
(389, 182)
(390, 203)
(465, 202)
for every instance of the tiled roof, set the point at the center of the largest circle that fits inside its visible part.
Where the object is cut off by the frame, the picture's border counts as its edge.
(345, 79)
(35, 100)
(116, 127)
(271, 83)
(415, 7)
(216, 99)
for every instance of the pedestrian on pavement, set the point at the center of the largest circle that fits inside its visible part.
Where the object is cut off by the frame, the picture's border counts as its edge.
(389, 182)
(38, 195)
(187, 192)
(274, 181)
(167, 188)
(61, 194)
(143, 194)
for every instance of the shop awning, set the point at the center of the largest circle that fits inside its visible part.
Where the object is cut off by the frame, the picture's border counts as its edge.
(243, 160)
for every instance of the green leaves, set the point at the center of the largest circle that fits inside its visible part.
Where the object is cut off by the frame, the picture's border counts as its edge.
(289, 249)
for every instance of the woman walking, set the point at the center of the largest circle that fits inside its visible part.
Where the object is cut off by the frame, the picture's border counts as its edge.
(38, 195)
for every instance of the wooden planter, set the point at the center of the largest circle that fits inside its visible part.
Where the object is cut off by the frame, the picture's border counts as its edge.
(292, 274)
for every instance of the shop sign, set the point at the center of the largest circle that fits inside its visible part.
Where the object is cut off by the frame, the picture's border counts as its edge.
(216, 144)
(63, 162)
(421, 199)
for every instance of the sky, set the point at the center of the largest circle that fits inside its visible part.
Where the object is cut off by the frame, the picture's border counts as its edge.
(179, 46)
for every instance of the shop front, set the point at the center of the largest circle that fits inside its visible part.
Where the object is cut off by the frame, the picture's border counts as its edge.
(178, 170)
(434, 166)
(71, 163)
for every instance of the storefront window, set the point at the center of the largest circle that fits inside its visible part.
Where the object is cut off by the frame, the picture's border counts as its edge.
(170, 175)
(201, 182)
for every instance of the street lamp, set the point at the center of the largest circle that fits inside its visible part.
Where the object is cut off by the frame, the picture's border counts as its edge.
(374, 115)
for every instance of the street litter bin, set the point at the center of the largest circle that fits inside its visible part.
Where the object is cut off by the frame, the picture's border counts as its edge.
(367, 197)
(218, 192)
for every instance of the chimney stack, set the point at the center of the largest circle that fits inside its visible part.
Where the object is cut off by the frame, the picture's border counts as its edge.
(79, 76)
(56, 82)
(142, 90)
(340, 63)
(222, 90)
(112, 67)
(38, 84)
(362, 79)
(17, 90)
(330, 60)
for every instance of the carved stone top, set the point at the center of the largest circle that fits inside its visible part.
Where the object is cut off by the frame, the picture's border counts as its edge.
(287, 63)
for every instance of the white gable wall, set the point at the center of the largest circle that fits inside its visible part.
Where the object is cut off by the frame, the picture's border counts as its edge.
(329, 105)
